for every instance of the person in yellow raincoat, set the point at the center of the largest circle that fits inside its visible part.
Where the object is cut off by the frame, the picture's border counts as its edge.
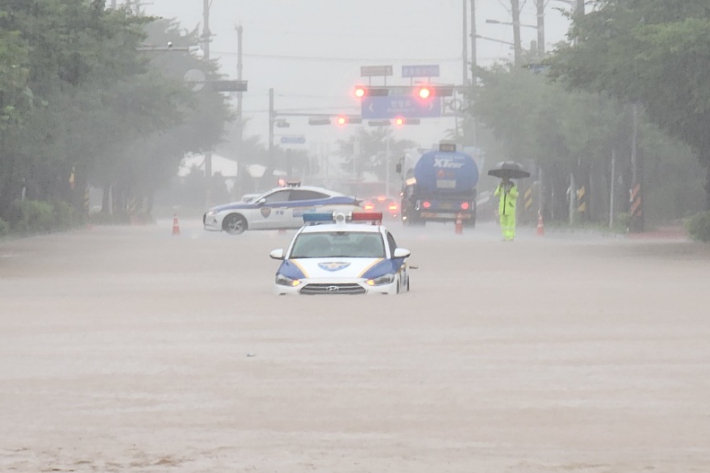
(507, 192)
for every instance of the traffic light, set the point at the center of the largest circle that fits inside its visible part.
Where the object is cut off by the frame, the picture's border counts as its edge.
(362, 91)
(319, 121)
(401, 121)
(423, 92)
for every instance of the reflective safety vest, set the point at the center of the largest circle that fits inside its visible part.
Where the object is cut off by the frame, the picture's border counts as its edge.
(508, 199)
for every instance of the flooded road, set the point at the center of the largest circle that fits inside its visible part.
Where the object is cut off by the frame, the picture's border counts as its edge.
(128, 349)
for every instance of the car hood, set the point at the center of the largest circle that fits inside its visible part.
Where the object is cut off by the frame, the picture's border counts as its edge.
(329, 268)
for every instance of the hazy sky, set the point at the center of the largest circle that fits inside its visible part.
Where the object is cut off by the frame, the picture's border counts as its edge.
(310, 51)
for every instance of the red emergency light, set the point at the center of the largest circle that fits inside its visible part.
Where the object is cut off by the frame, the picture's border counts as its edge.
(366, 217)
(465, 205)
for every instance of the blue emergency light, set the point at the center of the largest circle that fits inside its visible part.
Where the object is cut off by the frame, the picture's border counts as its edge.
(318, 217)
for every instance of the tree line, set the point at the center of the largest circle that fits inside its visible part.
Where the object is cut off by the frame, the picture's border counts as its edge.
(90, 95)
(629, 86)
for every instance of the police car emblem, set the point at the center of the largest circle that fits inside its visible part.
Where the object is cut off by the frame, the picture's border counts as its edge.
(332, 267)
(265, 211)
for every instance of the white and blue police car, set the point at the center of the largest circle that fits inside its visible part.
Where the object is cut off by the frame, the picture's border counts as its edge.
(277, 209)
(338, 253)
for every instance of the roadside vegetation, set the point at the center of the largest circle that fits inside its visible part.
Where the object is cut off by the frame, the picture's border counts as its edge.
(629, 87)
(92, 96)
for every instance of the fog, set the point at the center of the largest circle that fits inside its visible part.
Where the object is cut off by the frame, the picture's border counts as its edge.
(132, 339)
(311, 52)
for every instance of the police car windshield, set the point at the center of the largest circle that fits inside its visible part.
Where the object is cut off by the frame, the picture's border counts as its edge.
(338, 245)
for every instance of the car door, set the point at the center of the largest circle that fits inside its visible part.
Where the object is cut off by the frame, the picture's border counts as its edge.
(272, 211)
(303, 201)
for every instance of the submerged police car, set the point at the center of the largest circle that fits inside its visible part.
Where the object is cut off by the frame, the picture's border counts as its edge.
(338, 253)
(277, 209)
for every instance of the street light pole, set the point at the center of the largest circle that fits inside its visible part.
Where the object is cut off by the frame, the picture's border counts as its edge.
(517, 48)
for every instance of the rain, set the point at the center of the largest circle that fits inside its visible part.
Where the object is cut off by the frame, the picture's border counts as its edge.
(533, 173)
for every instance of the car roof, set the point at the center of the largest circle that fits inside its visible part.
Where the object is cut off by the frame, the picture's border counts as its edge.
(305, 188)
(342, 227)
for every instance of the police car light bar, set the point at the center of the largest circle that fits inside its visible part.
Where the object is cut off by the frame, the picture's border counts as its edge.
(366, 217)
(318, 217)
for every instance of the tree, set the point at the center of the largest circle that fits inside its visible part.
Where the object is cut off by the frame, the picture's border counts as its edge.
(649, 52)
(563, 132)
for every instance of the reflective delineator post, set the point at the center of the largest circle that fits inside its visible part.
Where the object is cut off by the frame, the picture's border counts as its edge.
(540, 225)
(176, 226)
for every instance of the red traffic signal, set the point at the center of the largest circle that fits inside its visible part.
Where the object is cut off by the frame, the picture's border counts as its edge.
(424, 92)
(401, 121)
(362, 91)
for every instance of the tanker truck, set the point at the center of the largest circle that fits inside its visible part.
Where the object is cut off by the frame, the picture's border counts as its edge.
(439, 186)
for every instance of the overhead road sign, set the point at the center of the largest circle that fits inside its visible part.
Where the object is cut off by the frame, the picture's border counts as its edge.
(293, 140)
(421, 71)
(400, 106)
(370, 71)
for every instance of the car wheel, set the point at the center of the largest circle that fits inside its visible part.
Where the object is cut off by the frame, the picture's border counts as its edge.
(234, 224)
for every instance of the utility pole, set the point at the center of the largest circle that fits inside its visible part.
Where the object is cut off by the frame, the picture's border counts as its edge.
(474, 44)
(272, 118)
(517, 48)
(114, 4)
(474, 73)
(541, 26)
(240, 122)
(206, 50)
(464, 81)
(612, 189)
(580, 7)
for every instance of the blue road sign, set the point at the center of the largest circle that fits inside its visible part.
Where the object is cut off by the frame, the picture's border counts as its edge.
(394, 106)
(293, 140)
(421, 71)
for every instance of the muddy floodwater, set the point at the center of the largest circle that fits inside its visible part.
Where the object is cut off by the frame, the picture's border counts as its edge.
(129, 349)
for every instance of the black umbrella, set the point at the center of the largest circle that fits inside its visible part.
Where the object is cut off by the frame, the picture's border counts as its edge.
(509, 169)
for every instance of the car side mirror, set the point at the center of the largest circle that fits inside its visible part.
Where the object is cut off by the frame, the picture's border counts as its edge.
(402, 253)
(398, 169)
(277, 254)
(261, 201)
